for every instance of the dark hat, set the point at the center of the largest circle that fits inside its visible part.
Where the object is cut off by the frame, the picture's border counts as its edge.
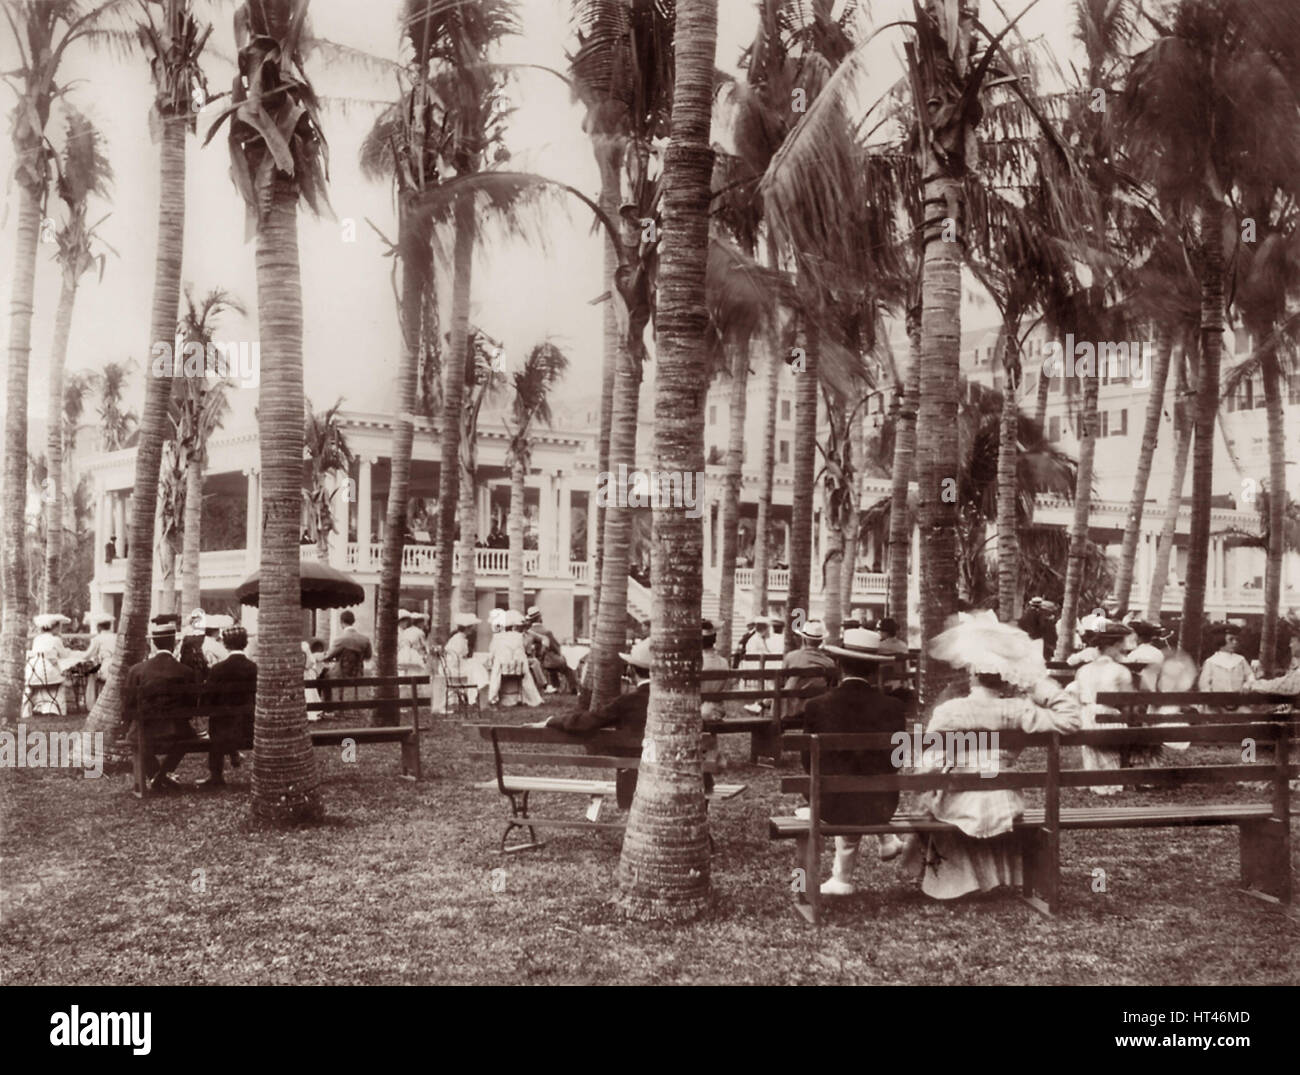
(164, 618)
(1145, 630)
(1109, 631)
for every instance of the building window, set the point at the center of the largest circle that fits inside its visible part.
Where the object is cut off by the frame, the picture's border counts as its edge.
(785, 410)
(1105, 416)
(784, 449)
(1054, 428)
(1122, 431)
(1241, 339)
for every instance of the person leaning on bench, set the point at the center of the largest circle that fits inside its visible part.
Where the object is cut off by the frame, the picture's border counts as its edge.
(160, 681)
(853, 707)
(232, 682)
(626, 713)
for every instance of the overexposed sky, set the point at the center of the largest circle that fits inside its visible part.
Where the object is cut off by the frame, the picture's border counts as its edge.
(521, 296)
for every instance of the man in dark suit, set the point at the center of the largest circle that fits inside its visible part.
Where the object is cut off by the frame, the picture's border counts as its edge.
(232, 682)
(160, 682)
(855, 706)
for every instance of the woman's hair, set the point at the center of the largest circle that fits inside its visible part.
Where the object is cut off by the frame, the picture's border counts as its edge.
(316, 645)
(995, 683)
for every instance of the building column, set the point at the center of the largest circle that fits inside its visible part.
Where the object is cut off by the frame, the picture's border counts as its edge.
(363, 514)
(591, 534)
(101, 531)
(252, 524)
(546, 524)
(565, 538)
(119, 523)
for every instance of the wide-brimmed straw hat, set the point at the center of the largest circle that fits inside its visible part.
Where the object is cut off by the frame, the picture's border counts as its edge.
(514, 618)
(465, 619)
(814, 630)
(1105, 632)
(982, 644)
(862, 638)
(47, 620)
(640, 655)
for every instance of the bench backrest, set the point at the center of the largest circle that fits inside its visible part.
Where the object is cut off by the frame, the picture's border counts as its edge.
(393, 692)
(1250, 730)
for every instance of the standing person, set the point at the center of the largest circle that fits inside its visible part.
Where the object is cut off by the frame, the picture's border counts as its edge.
(98, 653)
(231, 682)
(810, 657)
(712, 661)
(758, 644)
(160, 681)
(313, 665)
(191, 654)
(1009, 691)
(45, 664)
(1102, 675)
(854, 706)
(1225, 669)
(214, 651)
(348, 656)
(412, 653)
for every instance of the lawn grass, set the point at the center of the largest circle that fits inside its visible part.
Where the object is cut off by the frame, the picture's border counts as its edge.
(397, 886)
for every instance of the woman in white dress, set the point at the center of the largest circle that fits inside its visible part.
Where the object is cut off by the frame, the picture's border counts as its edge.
(45, 664)
(412, 652)
(1010, 690)
(1103, 675)
(1225, 669)
(460, 666)
(100, 652)
(508, 658)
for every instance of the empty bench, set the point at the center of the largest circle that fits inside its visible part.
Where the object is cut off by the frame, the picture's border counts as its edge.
(191, 703)
(1264, 828)
(556, 749)
(717, 685)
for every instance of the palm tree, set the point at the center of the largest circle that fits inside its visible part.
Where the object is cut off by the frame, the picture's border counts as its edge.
(1181, 414)
(273, 171)
(118, 428)
(173, 41)
(43, 31)
(84, 170)
(169, 524)
(533, 384)
(77, 388)
(328, 454)
(1198, 110)
(763, 522)
(664, 869)
(903, 471)
(482, 382)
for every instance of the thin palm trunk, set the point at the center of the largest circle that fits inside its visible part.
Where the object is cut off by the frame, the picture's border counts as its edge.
(801, 512)
(286, 784)
(832, 570)
(191, 597)
(13, 635)
(729, 518)
(1008, 456)
(904, 470)
(1077, 556)
(468, 521)
(1147, 451)
(1207, 409)
(1173, 500)
(515, 531)
(1277, 497)
(132, 644)
(388, 597)
(850, 564)
(758, 596)
(936, 430)
(664, 869)
(54, 493)
(453, 395)
(610, 337)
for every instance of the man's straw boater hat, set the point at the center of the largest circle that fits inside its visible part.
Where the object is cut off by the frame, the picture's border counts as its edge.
(813, 630)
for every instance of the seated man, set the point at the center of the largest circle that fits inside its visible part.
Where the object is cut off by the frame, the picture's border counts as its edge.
(554, 667)
(855, 706)
(889, 640)
(712, 661)
(807, 659)
(232, 682)
(347, 657)
(160, 681)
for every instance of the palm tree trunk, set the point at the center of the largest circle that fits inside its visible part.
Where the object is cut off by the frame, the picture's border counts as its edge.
(1077, 557)
(611, 627)
(13, 636)
(1207, 408)
(468, 520)
(286, 784)
(805, 483)
(664, 869)
(904, 470)
(1008, 544)
(609, 199)
(132, 644)
(832, 570)
(453, 395)
(1174, 499)
(1277, 497)
(758, 597)
(850, 564)
(54, 506)
(729, 518)
(936, 431)
(515, 530)
(191, 596)
(168, 560)
(1137, 501)
(388, 598)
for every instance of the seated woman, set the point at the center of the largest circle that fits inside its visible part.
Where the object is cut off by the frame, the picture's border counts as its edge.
(508, 658)
(460, 667)
(1105, 674)
(1009, 690)
(1225, 669)
(45, 664)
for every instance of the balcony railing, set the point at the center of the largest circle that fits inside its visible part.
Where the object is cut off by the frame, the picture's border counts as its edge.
(778, 579)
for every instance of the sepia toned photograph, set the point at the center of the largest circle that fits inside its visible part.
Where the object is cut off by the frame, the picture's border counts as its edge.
(650, 493)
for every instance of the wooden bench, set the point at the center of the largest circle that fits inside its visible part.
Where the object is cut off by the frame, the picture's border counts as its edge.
(195, 702)
(607, 750)
(1264, 828)
(764, 729)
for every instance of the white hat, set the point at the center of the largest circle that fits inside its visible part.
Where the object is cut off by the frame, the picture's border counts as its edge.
(497, 618)
(514, 618)
(423, 616)
(534, 612)
(814, 629)
(402, 614)
(465, 619)
(640, 655)
(46, 620)
(103, 617)
(862, 638)
(984, 645)
(198, 620)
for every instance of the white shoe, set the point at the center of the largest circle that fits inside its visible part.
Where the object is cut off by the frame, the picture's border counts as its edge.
(890, 846)
(550, 690)
(832, 887)
(802, 813)
(753, 707)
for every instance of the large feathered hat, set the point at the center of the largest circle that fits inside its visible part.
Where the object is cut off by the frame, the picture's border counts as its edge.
(982, 644)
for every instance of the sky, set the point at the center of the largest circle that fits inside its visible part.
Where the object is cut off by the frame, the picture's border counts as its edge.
(351, 342)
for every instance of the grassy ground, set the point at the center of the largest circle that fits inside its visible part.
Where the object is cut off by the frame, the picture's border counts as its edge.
(398, 887)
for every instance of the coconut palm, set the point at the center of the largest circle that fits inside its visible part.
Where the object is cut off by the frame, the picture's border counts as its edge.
(902, 472)
(43, 31)
(172, 38)
(1198, 115)
(277, 154)
(531, 404)
(83, 170)
(664, 868)
(328, 454)
(483, 380)
(118, 428)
